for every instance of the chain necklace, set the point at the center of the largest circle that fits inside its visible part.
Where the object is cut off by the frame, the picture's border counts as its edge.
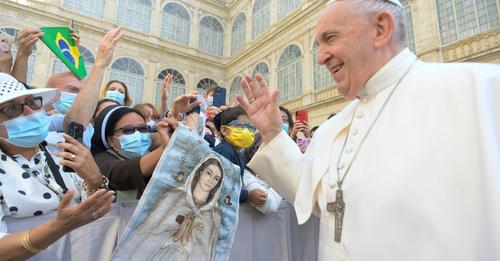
(338, 206)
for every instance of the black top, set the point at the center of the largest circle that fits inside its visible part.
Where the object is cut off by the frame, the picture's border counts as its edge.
(226, 150)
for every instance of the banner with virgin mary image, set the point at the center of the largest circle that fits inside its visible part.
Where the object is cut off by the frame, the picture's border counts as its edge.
(189, 210)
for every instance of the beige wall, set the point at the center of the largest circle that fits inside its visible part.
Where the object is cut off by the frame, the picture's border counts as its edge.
(155, 54)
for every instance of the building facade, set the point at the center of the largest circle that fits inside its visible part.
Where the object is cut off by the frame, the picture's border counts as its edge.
(215, 42)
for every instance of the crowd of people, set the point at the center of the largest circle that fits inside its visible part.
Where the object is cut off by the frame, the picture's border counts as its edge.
(407, 171)
(51, 183)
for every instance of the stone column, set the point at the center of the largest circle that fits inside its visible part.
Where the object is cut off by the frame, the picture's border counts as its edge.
(194, 29)
(156, 16)
(110, 11)
(426, 28)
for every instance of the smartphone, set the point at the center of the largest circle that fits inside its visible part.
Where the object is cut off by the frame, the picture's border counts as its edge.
(5, 41)
(302, 116)
(219, 97)
(74, 130)
(71, 24)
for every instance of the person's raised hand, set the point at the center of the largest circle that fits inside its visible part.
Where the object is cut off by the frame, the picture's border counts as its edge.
(95, 206)
(166, 128)
(75, 36)
(261, 106)
(26, 38)
(183, 104)
(6, 59)
(257, 197)
(165, 88)
(107, 46)
(79, 158)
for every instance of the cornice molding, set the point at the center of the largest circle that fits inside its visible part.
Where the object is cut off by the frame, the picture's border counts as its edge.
(478, 45)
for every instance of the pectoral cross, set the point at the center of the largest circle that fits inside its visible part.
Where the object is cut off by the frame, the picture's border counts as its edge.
(337, 208)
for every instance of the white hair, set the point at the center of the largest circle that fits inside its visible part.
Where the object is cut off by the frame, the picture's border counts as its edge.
(372, 7)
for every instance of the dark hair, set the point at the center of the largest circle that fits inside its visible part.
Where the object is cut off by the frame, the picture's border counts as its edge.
(100, 103)
(289, 115)
(250, 151)
(203, 166)
(111, 120)
(331, 115)
(230, 115)
(314, 128)
(127, 101)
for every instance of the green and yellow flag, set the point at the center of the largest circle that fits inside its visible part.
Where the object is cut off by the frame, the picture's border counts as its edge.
(59, 41)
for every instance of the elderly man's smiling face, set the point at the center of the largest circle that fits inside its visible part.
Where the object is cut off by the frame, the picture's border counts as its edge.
(346, 46)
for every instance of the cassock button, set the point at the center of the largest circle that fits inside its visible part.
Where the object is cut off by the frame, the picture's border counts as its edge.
(354, 132)
(348, 150)
(364, 100)
(342, 257)
(360, 115)
(341, 165)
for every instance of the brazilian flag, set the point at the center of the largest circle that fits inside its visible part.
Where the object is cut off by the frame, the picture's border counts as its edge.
(59, 41)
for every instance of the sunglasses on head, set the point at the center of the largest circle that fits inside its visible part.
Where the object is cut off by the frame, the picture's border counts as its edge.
(15, 109)
(242, 125)
(131, 129)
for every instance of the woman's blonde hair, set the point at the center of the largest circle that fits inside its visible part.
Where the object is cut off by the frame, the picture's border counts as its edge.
(128, 100)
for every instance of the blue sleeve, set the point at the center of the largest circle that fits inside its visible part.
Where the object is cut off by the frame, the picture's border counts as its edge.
(56, 122)
(243, 195)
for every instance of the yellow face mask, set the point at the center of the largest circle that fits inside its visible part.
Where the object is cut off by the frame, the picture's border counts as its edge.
(240, 137)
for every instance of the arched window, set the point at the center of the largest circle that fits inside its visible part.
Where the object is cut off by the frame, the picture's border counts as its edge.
(238, 33)
(93, 8)
(285, 7)
(134, 14)
(177, 87)
(410, 34)
(459, 19)
(322, 77)
(235, 89)
(175, 24)
(131, 73)
(205, 84)
(263, 69)
(261, 17)
(31, 60)
(290, 73)
(211, 36)
(88, 58)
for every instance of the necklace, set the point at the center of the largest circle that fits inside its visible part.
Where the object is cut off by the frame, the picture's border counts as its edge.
(338, 206)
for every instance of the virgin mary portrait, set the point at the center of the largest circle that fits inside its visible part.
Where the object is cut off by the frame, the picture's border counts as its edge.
(184, 223)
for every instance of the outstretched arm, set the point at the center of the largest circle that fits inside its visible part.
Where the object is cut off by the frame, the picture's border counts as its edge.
(85, 103)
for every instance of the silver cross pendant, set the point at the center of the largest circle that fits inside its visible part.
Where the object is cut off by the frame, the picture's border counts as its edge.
(337, 208)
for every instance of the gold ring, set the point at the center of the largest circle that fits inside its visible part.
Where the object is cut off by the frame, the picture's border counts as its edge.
(251, 100)
(72, 157)
(94, 215)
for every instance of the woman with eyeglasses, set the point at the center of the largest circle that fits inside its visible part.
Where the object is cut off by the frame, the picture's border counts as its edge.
(121, 147)
(40, 201)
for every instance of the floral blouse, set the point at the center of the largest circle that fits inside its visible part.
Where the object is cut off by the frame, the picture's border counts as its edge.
(28, 188)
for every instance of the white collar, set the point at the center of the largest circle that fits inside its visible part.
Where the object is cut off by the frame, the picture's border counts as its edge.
(389, 74)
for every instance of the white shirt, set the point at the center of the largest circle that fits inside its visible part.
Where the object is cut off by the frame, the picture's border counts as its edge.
(22, 194)
(425, 183)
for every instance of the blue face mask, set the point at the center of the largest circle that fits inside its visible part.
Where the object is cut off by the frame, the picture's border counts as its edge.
(134, 145)
(285, 127)
(210, 100)
(116, 96)
(28, 131)
(87, 136)
(65, 102)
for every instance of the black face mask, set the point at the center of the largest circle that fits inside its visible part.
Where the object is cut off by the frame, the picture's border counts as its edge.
(211, 140)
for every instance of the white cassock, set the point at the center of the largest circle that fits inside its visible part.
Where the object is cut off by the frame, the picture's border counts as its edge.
(424, 184)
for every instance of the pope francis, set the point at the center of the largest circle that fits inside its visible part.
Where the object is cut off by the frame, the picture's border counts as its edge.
(410, 169)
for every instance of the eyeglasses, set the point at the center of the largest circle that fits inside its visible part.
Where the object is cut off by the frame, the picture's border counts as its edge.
(15, 109)
(242, 125)
(127, 129)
